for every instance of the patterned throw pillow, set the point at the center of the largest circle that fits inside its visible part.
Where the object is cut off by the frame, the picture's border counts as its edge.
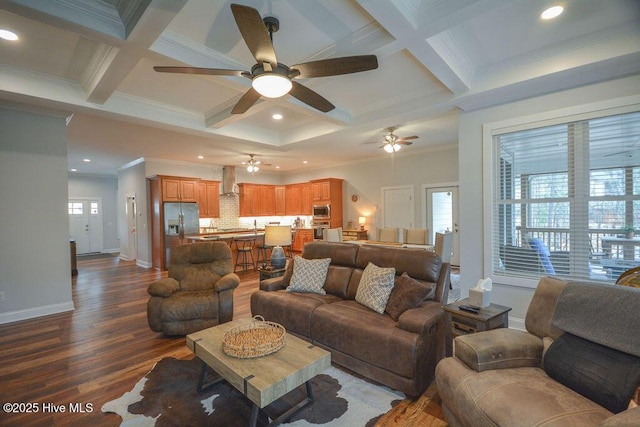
(309, 275)
(375, 287)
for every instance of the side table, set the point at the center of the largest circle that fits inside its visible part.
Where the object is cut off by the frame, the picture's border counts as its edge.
(459, 322)
(268, 273)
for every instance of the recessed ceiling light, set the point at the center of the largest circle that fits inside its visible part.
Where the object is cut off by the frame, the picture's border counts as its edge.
(74, 170)
(277, 166)
(277, 116)
(86, 160)
(305, 162)
(8, 35)
(552, 12)
(201, 157)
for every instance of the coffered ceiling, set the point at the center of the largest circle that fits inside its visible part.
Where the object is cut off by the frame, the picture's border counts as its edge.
(95, 58)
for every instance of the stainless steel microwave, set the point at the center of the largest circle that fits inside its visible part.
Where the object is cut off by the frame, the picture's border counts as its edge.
(321, 211)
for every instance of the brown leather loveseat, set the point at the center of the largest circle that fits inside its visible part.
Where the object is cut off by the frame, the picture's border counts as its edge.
(578, 363)
(401, 354)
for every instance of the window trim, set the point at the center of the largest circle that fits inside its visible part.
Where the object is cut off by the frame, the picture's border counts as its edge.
(489, 187)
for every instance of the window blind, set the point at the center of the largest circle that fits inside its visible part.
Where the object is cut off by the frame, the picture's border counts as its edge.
(563, 196)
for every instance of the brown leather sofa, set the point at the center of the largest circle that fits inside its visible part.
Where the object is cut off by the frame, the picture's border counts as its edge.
(578, 359)
(400, 354)
(198, 292)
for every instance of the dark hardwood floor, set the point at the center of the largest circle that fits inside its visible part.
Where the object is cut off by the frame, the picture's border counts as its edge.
(100, 350)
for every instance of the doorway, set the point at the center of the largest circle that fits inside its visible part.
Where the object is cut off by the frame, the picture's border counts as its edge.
(442, 215)
(398, 207)
(132, 236)
(85, 224)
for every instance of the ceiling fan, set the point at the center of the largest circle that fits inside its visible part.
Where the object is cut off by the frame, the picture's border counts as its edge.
(270, 78)
(393, 143)
(253, 165)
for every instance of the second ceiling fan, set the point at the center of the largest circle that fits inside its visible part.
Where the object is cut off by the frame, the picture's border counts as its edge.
(393, 142)
(270, 78)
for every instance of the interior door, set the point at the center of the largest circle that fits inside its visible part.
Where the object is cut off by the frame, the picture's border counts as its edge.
(442, 215)
(398, 208)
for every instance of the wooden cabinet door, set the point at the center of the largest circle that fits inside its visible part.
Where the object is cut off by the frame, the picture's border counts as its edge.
(267, 200)
(302, 237)
(170, 190)
(280, 200)
(325, 190)
(316, 191)
(245, 199)
(306, 202)
(189, 190)
(209, 199)
(292, 199)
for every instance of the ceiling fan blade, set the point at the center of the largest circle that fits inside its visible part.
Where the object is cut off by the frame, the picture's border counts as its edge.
(403, 142)
(407, 138)
(249, 98)
(206, 71)
(255, 33)
(310, 97)
(336, 66)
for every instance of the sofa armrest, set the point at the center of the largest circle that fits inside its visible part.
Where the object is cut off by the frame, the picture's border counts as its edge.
(626, 418)
(164, 287)
(271, 284)
(499, 349)
(422, 319)
(228, 281)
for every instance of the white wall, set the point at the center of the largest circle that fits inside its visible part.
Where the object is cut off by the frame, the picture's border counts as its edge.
(35, 268)
(105, 188)
(366, 180)
(131, 180)
(472, 173)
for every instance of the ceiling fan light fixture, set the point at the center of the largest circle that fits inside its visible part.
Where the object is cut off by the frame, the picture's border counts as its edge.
(252, 168)
(272, 85)
(552, 12)
(390, 148)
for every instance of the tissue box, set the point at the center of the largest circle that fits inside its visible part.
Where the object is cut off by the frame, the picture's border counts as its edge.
(479, 298)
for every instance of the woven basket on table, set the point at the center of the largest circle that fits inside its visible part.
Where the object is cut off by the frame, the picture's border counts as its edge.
(254, 339)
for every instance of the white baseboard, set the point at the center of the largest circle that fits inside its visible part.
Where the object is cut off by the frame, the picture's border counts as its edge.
(516, 323)
(30, 313)
(124, 257)
(144, 264)
(110, 251)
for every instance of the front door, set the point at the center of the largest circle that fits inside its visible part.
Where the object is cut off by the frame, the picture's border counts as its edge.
(85, 224)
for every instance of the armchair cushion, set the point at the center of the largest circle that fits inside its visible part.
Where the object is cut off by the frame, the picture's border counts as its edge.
(499, 349)
(164, 287)
(606, 376)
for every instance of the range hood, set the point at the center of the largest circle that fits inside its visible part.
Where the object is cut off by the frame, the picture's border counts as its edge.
(229, 186)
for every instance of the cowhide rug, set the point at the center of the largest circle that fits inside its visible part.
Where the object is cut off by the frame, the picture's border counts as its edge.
(167, 396)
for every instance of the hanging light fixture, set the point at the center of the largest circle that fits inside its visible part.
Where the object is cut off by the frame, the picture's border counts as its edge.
(390, 147)
(252, 168)
(272, 85)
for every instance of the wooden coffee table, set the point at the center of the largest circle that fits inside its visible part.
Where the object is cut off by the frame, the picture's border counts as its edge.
(264, 379)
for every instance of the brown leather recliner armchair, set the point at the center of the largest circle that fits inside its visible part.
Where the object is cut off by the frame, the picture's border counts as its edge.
(198, 292)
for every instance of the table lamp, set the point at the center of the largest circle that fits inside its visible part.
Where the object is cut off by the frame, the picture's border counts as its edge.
(362, 220)
(277, 236)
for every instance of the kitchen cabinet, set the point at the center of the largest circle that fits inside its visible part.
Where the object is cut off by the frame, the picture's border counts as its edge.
(329, 191)
(257, 199)
(280, 200)
(292, 199)
(303, 235)
(179, 189)
(209, 199)
(306, 204)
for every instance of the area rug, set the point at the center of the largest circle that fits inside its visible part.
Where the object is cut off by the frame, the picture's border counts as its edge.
(167, 396)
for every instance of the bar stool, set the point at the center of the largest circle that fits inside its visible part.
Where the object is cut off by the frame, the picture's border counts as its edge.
(244, 251)
(262, 254)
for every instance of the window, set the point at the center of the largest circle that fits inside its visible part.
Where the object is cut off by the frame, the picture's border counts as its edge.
(94, 208)
(563, 197)
(75, 208)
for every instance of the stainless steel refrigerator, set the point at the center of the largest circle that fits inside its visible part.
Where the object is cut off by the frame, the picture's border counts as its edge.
(180, 220)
